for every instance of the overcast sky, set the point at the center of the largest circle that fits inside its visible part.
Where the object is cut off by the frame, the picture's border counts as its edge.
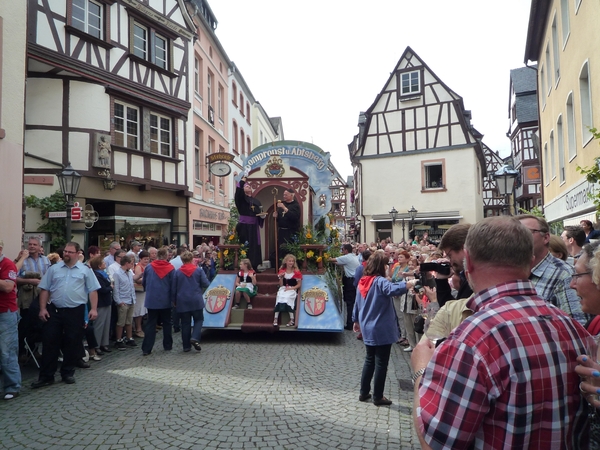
(318, 63)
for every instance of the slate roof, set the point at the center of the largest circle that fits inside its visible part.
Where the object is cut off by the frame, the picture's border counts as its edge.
(524, 82)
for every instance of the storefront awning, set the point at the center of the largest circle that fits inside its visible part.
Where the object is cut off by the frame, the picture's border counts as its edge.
(591, 216)
(438, 216)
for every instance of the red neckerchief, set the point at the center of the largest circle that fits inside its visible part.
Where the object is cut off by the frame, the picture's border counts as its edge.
(188, 269)
(365, 284)
(162, 267)
(364, 263)
(594, 326)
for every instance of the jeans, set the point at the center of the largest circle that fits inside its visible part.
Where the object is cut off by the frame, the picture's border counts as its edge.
(63, 330)
(186, 326)
(9, 351)
(176, 318)
(376, 362)
(150, 330)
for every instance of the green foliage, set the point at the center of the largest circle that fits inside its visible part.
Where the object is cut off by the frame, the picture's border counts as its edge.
(592, 174)
(535, 211)
(55, 227)
(231, 238)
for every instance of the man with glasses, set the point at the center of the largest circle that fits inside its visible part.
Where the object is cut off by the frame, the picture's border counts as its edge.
(64, 292)
(551, 276)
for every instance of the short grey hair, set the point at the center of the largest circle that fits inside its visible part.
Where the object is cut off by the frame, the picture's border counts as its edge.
(35, 238)
(500, 241)
(592, 252)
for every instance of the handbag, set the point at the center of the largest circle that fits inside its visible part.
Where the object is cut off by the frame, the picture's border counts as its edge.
(419, 324)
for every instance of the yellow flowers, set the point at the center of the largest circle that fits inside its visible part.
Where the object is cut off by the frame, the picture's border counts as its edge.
(226, 252)
(310, 254)
(243, 252)
(319, 259)
(326, 255)
(232, 237)
(308, 235)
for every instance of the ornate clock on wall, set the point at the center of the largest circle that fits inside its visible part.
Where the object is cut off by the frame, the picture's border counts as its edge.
(220, 169)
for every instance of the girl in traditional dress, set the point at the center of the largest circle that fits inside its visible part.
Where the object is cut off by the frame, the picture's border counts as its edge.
(290, 282)
(245, 284)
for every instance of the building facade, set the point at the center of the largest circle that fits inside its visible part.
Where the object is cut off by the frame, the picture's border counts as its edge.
(416, 147)
(523, 125)
(108, 92)
(563, 38)
(13, 46)
(209, 204)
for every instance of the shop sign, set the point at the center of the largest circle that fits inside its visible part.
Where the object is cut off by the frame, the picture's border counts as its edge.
(573, 202)
(212, 215)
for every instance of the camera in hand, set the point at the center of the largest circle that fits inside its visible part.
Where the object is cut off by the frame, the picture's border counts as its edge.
(425, 277)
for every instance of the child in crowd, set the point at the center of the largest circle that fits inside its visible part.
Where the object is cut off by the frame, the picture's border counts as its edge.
(245, 284)
(290, 282)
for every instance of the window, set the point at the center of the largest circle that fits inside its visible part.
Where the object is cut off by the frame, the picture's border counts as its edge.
(197, 155)
(552, 156)
(140, 41)
(150, 46)
(571, 140)
(87, 17)
(564, 19)
(211, 148)
(160, 134)
(410, 83)
(546, 163)
(196, 75)
(555, 51)
(549, 70)
(248, 112)
(126, 123)
(585, 97)
(242, 103)
(544, 88)
(242, 141)
(235, 137)
(220, 94)
(432, 174)
(233, 93)
(561, 149)
(209, 81)
(248, 144)
(577, 4)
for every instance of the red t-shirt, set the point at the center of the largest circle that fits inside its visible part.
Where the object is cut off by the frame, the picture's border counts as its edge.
(8, 271)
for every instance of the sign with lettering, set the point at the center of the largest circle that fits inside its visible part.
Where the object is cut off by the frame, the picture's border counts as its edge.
(274, 158)
(532, 174)
(573, 202)
(160, 18)
(212, 214)
(220, 156)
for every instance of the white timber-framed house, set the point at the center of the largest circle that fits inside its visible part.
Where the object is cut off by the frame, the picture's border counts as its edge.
(416, 147)
(108, 91)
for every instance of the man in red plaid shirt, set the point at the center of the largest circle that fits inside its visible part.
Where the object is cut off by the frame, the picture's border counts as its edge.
(505, 376)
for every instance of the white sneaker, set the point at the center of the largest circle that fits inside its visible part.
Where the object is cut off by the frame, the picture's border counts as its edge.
(408, 349)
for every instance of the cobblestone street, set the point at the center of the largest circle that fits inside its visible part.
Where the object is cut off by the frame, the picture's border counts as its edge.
(281, 391)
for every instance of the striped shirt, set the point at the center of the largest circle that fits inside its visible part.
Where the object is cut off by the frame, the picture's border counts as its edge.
(505, 377)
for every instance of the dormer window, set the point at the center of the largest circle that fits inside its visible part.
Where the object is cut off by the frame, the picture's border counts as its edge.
(410, 83)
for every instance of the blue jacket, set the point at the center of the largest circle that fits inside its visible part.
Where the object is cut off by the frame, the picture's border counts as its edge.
(376, 314)
(160, 292)
(189, 289)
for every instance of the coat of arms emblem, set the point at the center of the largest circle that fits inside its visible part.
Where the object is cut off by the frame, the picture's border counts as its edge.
(274, 167)
(314, 301)
(216, 299)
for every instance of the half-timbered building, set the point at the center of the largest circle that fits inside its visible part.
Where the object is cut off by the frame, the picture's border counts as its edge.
(13, 40)
(108, 92)
(416, 147)
(523, 118)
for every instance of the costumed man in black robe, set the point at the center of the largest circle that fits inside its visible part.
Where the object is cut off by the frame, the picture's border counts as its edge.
(250, 222)
(288, 221)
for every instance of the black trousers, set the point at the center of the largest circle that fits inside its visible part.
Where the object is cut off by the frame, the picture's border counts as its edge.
(150, 330)
(63, 330)
(349, 292)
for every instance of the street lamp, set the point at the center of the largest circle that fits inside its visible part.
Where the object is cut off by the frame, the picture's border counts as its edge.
(505, 180)
(412, 212)
(394, 216)
(69, 181)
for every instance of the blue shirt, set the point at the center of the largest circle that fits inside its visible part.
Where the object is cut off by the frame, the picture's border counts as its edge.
(124, 291)
(69, 286)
